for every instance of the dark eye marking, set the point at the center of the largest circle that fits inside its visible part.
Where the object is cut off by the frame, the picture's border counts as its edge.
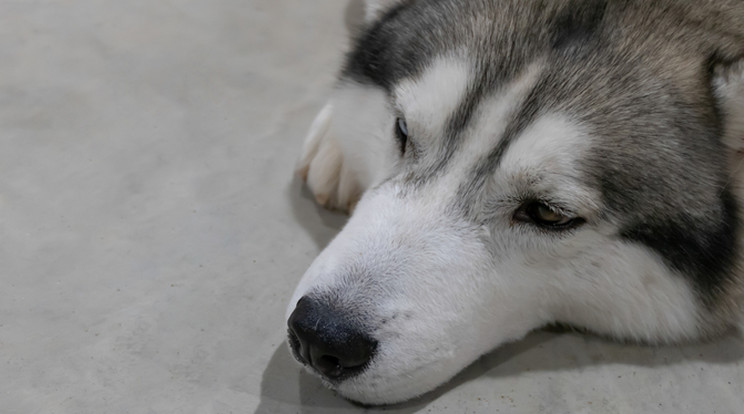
(401, 132)
(545, 216)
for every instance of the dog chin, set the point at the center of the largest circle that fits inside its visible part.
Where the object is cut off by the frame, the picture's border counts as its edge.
(361, 395)
(373, 389)
(370, 390)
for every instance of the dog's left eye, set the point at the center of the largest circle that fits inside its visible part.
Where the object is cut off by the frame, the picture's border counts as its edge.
(401, 132)
(541, 214)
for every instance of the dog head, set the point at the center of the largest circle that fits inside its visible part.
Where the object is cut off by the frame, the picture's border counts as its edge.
(563, 162)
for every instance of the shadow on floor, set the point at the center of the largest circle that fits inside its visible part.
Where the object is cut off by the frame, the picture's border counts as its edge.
(321, 224)
(287, 388)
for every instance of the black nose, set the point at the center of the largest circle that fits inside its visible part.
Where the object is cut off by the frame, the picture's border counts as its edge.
(328, 340)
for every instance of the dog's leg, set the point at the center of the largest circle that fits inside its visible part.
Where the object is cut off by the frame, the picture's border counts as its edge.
(349, 146)
(321, 165)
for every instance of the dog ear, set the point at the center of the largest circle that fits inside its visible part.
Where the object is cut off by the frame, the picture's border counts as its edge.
(728, 88)
(374, 9)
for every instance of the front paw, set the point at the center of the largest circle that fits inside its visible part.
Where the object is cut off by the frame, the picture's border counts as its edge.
(322, 166)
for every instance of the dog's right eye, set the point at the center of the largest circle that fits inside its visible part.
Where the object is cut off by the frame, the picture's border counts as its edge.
(401, 132)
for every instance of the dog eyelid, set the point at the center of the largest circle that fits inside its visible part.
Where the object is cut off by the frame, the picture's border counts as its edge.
(401, 133)
(546, 216)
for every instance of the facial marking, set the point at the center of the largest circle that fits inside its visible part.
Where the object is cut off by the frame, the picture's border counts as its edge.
(488, 127)
(493, 115)
(544, 157)
(428, 101)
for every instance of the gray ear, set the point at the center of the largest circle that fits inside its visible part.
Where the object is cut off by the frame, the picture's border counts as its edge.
(374, 9)
(728, 86)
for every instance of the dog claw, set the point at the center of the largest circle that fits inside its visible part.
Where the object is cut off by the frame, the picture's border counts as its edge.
(321, 166)
(322, 199)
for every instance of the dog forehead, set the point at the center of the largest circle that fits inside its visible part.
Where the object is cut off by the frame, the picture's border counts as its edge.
(549, 149)
(459, 121)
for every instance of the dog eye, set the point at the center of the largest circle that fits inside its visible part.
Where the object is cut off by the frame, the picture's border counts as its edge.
(401, 132)
(544, 216)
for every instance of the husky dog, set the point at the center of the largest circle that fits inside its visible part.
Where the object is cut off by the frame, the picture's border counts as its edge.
(518, 163)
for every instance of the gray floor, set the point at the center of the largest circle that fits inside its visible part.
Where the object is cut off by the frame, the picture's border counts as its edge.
(151, 230)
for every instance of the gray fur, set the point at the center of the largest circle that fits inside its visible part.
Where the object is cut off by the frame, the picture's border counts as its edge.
(636, 73)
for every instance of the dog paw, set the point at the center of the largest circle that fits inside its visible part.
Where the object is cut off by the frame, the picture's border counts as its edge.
(323, 166)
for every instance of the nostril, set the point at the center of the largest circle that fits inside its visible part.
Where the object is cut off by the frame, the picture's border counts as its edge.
(330, 366)
(344, 360)
(297, 349)
(326, 340)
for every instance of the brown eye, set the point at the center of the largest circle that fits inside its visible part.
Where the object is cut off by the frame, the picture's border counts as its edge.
(541, 214)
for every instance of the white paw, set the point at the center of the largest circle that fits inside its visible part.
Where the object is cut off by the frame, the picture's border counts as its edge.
(322, 167)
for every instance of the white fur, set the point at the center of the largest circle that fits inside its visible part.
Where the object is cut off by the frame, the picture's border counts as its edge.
(440, 305)
(449, 290)
(594, 280)
(491, 116)
(546, 155)
(428, 101)
(375, 8)
(344, 153)
(729, 88)
(321, 160)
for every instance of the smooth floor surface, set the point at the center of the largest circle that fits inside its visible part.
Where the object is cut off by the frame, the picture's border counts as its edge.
(152, 231)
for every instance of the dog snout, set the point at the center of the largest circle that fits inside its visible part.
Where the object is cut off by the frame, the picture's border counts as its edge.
(328, 340)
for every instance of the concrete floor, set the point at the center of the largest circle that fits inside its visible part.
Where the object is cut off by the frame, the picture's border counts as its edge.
(152, 230)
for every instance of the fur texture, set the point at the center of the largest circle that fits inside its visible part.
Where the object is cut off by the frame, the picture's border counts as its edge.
(622, 118)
